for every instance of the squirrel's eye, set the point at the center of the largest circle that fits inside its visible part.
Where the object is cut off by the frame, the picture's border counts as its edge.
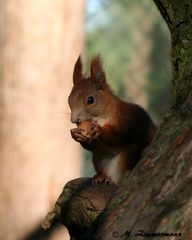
(90, 100)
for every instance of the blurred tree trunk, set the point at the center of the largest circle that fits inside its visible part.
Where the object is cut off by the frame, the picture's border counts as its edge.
(146, 60)
(157, 196)
(39, 43)
(138, 69)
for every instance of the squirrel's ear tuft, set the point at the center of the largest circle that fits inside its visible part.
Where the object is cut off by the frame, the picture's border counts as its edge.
(77, 72)
(97, 73)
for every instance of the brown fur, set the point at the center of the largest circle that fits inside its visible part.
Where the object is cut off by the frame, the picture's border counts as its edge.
(125, 128)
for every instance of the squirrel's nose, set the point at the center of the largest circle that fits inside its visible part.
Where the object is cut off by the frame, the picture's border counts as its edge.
(76, 117)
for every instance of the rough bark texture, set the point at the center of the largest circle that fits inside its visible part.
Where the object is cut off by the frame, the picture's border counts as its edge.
(178, 15)
(156, 197)
(79, 205)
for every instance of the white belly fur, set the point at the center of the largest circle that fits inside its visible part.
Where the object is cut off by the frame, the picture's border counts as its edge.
(110, 165)
(112, 168)
(101, 121)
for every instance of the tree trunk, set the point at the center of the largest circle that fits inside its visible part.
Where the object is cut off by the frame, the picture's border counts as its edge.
(157, 197)
(138, 69)
(38, 48)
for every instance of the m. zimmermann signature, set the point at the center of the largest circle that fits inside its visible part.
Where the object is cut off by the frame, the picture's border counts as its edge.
(142, 233)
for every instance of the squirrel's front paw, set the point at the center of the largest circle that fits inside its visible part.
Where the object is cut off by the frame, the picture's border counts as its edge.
(77, 135)
(94, 131)
(101, 178)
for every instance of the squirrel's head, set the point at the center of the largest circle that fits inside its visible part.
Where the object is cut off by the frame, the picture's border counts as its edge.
(87, 96)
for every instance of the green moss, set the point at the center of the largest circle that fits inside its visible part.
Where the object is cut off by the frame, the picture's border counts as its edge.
(170, 223)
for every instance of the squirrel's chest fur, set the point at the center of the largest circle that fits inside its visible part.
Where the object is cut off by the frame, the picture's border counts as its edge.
(123, 139)
(109, 161)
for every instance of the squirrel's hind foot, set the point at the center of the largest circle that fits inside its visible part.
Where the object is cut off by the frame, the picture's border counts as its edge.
(98, 178)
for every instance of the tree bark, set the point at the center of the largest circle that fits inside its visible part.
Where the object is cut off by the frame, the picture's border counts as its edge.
(178, 15)
(79, 205)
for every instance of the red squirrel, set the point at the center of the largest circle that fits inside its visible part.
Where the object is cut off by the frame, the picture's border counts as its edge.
(119, 131)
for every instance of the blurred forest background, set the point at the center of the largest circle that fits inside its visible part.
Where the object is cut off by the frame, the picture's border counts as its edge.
(39, 44)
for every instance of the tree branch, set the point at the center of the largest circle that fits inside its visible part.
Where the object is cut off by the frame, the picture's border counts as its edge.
(162, 6)
(178, 15)
(79, 205)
